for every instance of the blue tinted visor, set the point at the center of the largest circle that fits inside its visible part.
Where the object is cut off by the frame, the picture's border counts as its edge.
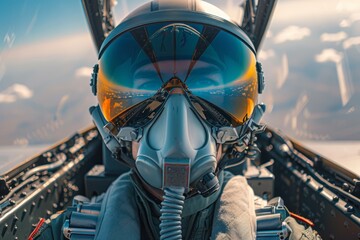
(216, 67)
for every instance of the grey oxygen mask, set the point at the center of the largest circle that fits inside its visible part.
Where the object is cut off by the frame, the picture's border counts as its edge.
(177, 149)
(175, 146)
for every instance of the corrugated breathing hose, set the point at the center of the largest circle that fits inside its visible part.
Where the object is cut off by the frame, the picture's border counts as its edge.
(171, 211)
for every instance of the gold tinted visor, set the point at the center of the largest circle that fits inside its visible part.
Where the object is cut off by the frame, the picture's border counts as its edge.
(216, 67)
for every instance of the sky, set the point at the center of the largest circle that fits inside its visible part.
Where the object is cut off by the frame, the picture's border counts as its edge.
(29, 21)
(44, 60)
(310, 58)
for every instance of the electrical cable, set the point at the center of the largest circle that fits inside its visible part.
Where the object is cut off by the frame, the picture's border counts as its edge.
(302, 219)
(37, 228)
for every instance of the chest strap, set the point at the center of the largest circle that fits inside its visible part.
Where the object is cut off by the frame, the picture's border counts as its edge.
(82, 221)
(270, 221)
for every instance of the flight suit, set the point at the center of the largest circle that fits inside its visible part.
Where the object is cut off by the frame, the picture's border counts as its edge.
(128, 212)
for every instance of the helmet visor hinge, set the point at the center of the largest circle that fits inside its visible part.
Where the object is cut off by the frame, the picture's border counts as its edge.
(261, 79)
(93, 80)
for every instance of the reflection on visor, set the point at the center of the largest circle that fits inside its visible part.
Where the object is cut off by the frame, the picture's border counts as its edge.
(140, 114)
(215, 66)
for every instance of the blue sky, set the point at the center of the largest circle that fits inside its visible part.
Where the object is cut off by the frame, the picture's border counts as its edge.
(33, 20)
(46, 56)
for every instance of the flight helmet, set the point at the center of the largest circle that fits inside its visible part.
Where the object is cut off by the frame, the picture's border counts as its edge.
(175, 81)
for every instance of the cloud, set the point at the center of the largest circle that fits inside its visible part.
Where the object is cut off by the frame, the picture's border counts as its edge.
(60, 106)
(282, 72)
(349, 21)
(124, 7)
(14, 93)
(269, 34)
(84, 72)
(266, 54)
(333, 37)
(292, 33)
(122, 10)
(329, 55)
(345, 83)
(292, 117)
(50, 49)
(351, 42)
(348, 6)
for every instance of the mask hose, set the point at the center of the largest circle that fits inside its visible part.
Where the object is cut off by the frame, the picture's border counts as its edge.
(171, 210)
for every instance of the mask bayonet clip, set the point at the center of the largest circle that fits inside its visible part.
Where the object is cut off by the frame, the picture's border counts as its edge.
(253, 125)
(256, 127)
(125, 133)
(225, 134)
(130, 134)
(254, 122)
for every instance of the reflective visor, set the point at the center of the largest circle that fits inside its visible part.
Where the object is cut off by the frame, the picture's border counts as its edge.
(217, 68)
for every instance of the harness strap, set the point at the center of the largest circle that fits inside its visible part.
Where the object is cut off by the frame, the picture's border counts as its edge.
(82, 220)
(270, 221)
